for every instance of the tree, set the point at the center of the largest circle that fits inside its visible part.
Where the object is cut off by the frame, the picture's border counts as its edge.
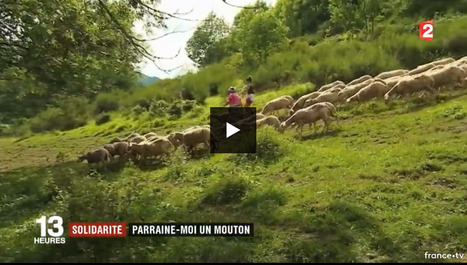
(260, 37)
(63, 47)
(208, 45)
(302, 16)
(355, 14)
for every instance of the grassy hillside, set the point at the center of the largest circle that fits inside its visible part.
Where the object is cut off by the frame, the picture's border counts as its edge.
(389, 184)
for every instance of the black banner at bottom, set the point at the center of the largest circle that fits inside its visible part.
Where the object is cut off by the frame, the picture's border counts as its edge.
(191, 229)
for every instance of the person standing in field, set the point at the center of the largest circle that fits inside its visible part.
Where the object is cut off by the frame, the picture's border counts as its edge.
(234, 100)
(250, 93)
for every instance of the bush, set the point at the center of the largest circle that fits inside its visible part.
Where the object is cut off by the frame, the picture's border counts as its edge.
(159, 107)
(71, 113)
(102, 118)
(175, 110)
(106, 102)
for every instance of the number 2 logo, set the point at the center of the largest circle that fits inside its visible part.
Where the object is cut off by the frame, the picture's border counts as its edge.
(57, 222)
(426, 30)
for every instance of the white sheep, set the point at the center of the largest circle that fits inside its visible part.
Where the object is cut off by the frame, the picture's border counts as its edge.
(196, 136)
(337, 83)
(448, 77)
(161, 146)
(349, 91)
(376, 89)
(274, 105)
(330, 106)
(150, 134)
(444, 61)
(176, 139)
(301, 101)
(309, 116)
(99, 156)
(325, 97)
(137, 139)
(359, 80)
(393, 73)
(408, 86)
(269, 120)
(422, 68)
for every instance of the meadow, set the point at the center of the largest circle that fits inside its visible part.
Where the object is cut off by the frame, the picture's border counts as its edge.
(387, 185)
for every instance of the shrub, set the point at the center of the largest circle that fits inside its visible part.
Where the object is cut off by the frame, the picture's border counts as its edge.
(71, 113)
(102, 118)
(159, 107)
(175, 110)
(106, 102)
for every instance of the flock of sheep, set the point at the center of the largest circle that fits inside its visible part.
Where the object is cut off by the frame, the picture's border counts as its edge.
(441, 75)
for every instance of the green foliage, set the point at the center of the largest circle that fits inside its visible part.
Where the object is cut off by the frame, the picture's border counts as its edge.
(106, 102)
(226, 191)
(263, 35)
(103, 118)
(431, 8)
(208, 43)
(72, 112)
(81, 57)
(302, 17)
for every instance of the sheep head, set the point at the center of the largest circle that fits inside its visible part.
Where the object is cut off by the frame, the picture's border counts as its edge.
(83, 157)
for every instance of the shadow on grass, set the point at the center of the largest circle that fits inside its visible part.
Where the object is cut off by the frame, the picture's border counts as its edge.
(330, 233)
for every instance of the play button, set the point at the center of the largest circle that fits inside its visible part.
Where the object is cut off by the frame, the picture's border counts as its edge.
(233, 130)
(230, 130)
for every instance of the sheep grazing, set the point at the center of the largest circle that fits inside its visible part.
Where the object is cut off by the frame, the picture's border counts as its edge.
(149, 135)
(176, 139)
(334, 90)
(408, 86)
(277, 104)
(301, 101)
(110, 148)
(374, 90)
(309, 116)
(359, 80)
(444, 61)
(393, 73)
(98, 156)
(137, 139)
(153, 138)
(333, 84)
(121, 148)
(330, 106)
(349, 91)
(290, 99)
(269, 120)
(422, 68)
(158, 147)
(117, 139)
(328, 96)
(448, 76)
(146, 149)
(196, 136)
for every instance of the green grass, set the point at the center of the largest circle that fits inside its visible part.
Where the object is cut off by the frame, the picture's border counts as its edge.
(386, 186)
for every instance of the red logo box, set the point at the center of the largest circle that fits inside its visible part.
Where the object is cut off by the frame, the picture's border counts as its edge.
(97, 229)
(425, 30)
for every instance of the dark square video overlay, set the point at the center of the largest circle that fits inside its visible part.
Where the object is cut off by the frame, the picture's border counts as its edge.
(233, 129)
